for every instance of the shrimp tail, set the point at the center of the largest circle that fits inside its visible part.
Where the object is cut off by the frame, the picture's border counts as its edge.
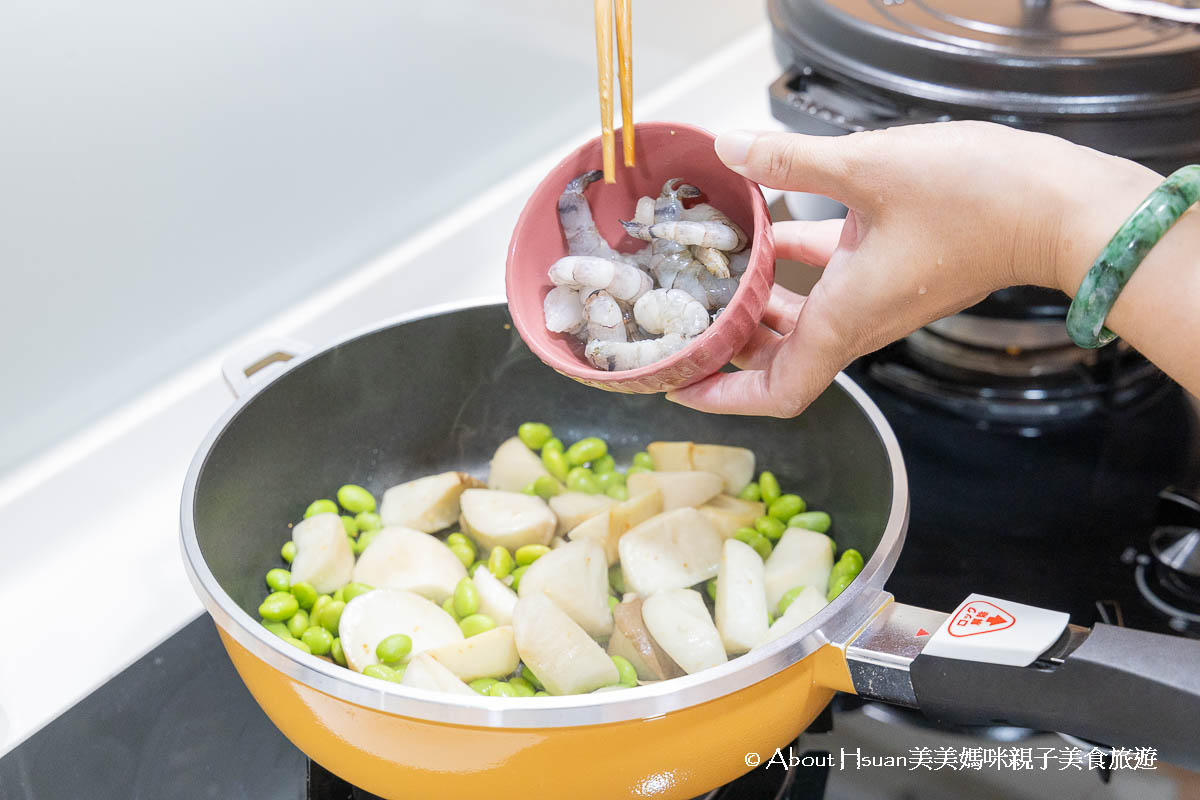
(638, 230)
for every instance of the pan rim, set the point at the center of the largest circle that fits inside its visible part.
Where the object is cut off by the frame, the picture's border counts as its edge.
(834, 624)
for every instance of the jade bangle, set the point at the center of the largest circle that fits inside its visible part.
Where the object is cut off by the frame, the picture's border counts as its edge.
(1121, 256)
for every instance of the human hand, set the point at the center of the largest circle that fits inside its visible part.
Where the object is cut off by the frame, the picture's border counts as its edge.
(940, 216)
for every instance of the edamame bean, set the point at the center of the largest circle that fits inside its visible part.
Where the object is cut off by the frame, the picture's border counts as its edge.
(466, 598)
(710, 586)
(581, 479)
(305, 594)
(319, 640)
(448, 607)
(353, 590)
(625, 670)
(462, 548)
(500, 562)
(516, 578)
(350, 525)
(854, 557)
(528, 675)
(604, 465)
(751, 492)
(482, 685)
(501, 689)
(527, 554)
(768, 487)
(546, 487)
(355, 498)
(336, 651)
(462, 539)
(320, 507)
(381, 671)
(280, 629)
(554, 445)
(616, 579)
(849, 564)
(555, 463)
(642, 459)
(288, 551)
(635, 470)
(318, 604)
(817, 521)
(541, 694)
(279, 579)
(605, 480)
(787, 506)
(837, 586)
(528, 489)
(364, 541)
(521, 687)
(612, 602)
(585, 450)
(476, 624)
(298, 623)
(770, 527)
(392, 649)
(788, 596)
(534, 435)
(618, 491)
(296, 643)
(340, 594)
(278, 607)
(752, 537)
(368, 521)
(331, 615)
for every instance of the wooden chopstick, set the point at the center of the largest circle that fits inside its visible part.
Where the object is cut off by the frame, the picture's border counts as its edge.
(604, 66)
(625, 76)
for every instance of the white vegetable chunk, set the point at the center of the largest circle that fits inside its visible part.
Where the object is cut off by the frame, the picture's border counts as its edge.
(575, 577)
(403, 558)
(372, 617)
(679, 622)
(506, 519)
(565, 659)
(671, 456)
(800, 558)
(424, 672)
(491, 654)
(514, 466)
(679, 489)
(734, 464)
(728, 514)
(323, 555)
(673, 550)
(632, 641)
(609, 526)
(741, 606)
(427, 504)
(807, 603)
(573, 508)
(495, 599)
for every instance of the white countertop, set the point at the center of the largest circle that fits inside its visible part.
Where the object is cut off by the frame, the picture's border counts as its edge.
(91, 576)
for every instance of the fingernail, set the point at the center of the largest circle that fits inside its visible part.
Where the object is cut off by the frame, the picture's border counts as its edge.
(733, 147)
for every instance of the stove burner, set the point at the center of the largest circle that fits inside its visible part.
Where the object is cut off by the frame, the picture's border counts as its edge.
(1169, 578)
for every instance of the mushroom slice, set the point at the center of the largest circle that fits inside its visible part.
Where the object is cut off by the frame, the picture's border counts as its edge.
(609, 526)
(402, 558)
(495, 599)
(506, 519)
(514, 466)
(573, 508)
(424, 672)
(679, 489)
(631, 640)
(800, 558)
(491, 654)
(741, 607)
(673, 550)
(562, 655)
(323, 554)
(734, 464)
(671, 456)
(728, 514)
(679, 622)
(807, 603)
(575, 577)
(427, 504)
(372, 617)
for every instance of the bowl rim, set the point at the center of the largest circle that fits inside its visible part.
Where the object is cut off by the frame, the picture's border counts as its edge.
(760, 237)
(835, 624)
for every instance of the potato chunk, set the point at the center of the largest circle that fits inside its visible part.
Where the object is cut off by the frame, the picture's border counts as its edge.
(679, 622)
(565, 659)
(403, 558)
(575, 577)
(491, 654)
(741, 607)
(506, 519)
(679, 489)
(631, 640)
(323, 554)
(514, 466)
(800, 558)
(427, 504)
(673, 550)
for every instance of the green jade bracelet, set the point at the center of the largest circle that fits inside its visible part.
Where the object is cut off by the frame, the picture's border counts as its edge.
(1121, 256)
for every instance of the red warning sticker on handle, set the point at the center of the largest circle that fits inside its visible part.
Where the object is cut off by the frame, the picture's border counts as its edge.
(979, 616)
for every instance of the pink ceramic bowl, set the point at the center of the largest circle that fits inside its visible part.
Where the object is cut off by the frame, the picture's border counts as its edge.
(664, 151)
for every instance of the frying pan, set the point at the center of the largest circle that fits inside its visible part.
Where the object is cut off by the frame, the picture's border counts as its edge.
(440, 391)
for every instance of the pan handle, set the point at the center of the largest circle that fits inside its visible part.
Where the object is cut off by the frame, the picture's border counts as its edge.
(997, 662)
(259, 361)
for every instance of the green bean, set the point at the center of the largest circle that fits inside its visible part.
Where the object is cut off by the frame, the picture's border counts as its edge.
(527, 554)
(787, 506)
(466, 598)
(355, 589)
(636, 470)
(381, 671)
(788, 596)
(305, 594)
(278, 607)
(279, 579)
(448, 607)
(392, 649)
(837, 586)
(501, 689)
(482, 685)
(616, 579)
(817, 521)
(554, 445)
(368, 521)
(331, 615)
(500, 562)
(534, 435)
(555, 463)
(516, 577)
(364, 541)
(546, 487)
(770, 527)
(751, 492)
(529, 490)
(280, 629)
(355, 499)
(768, 487)
(521, 687)
(710, 586)
(528, 675)
(298, 623)
(336, 651)
(585, 450)
(604, 465)
(581, 479)
(642, 459)
(350, 525)
(612, 602)
(476, 624)
(320, 507)
(318, 604)
(296, 643)
(628, 675)
(288, 551)
(618, 492)
(318, 639)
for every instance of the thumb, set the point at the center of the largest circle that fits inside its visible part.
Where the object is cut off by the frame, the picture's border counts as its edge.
(834, 166)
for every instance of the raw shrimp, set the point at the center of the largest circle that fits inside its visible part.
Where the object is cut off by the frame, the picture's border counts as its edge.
(644, 213)
(669, 258)
(714, 260)
(738, 262)
(605, 319)
(703, 212)
(623, 281)
(671, 311)
(711, 291)
(564, 312)
(575, 215)
(631, 355)
(704, 234)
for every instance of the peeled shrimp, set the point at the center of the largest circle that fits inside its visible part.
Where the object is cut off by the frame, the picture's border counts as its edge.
(623, 281)
(704, 234)
(711, 291)
(714, 260)
(631, 355)
(575, 215)
(564, 312)
(738, 262)
(669, 258)
(671, 311)
(703, 212)
(644, 213)
(605, 319)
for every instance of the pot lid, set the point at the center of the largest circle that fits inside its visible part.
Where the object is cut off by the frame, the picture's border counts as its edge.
(1050, 56)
